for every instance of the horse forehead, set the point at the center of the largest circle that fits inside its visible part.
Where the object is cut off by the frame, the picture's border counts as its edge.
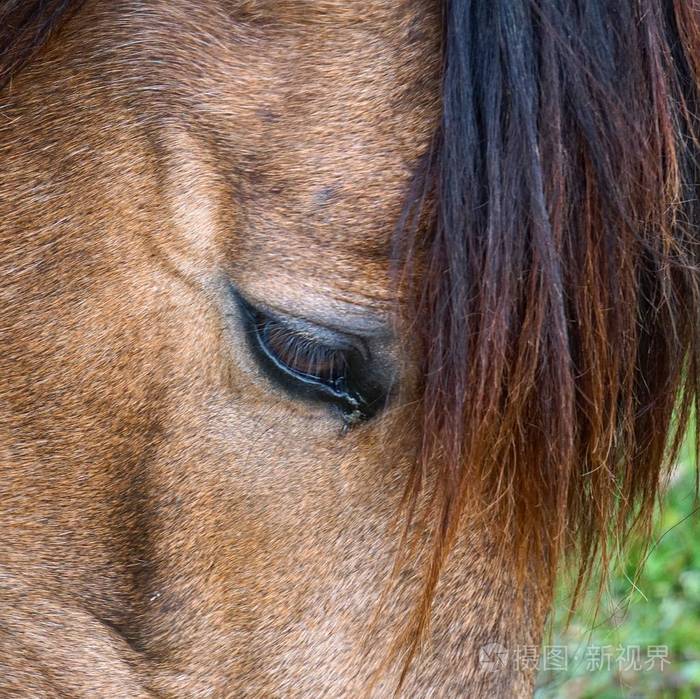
(320, 11)
(315, 114)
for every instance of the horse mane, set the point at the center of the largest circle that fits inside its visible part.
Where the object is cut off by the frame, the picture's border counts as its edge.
(550, 251)
(556, 290)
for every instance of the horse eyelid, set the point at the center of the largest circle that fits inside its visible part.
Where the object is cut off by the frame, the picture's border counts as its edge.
(336, 391)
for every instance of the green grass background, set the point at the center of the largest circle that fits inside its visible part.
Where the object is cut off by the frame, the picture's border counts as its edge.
(660, 608)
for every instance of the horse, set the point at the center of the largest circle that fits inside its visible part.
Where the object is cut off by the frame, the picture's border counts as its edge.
(332, 332)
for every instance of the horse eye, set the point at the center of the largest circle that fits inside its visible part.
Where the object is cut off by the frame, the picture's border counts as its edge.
(309, 368)
(302, 355)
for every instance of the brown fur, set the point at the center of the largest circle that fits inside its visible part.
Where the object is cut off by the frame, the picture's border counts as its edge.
(174, 526)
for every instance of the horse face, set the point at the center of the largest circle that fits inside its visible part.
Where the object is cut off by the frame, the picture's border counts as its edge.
(207, 406)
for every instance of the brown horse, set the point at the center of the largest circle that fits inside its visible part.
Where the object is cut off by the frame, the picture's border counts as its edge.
(328, 328)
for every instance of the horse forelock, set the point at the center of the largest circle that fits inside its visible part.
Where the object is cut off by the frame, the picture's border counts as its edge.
(555, 292)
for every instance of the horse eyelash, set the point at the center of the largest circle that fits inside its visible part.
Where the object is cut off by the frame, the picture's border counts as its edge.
(307, 366)
(302, 354)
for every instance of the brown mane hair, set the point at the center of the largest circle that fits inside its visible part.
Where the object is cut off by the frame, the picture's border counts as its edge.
(556, 294)
(555, 291)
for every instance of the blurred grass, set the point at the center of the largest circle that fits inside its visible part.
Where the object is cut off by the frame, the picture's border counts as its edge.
(660, 608)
